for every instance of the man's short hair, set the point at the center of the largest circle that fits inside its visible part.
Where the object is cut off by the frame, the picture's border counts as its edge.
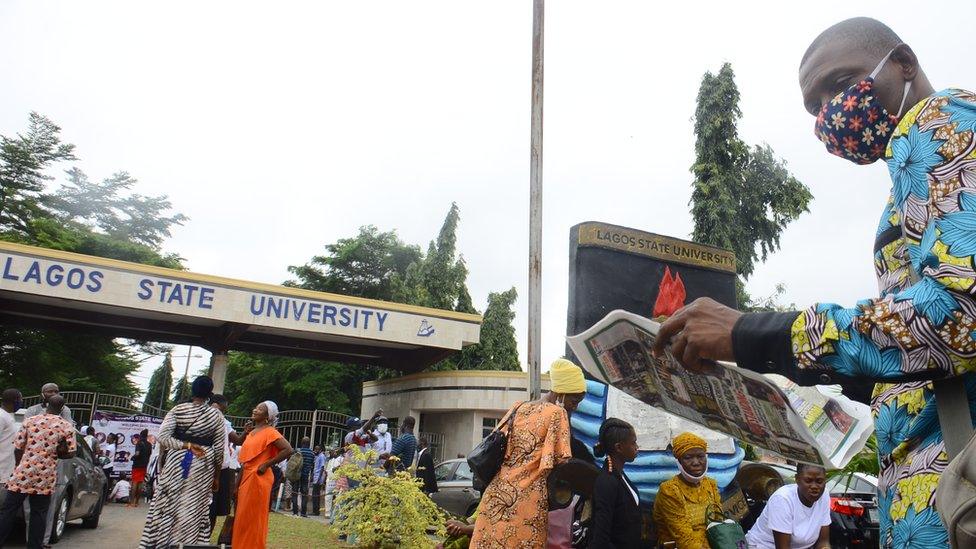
(863, 33)
(217, 398)
(409, 421)
(55, 404)
(11, 395)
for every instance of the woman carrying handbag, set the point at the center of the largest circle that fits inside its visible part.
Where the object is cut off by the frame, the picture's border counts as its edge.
(514, 505)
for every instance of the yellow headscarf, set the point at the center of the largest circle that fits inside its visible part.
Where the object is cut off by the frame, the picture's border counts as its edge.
(567, 378)
(687, 441)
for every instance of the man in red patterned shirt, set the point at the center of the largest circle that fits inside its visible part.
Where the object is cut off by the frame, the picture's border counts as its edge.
(42, 440)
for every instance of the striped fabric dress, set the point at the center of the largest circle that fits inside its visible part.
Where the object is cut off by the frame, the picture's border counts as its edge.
(179, 512)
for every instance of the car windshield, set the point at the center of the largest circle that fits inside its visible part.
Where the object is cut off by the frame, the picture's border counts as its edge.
(849, 483)
(444, 471)
(463, 472)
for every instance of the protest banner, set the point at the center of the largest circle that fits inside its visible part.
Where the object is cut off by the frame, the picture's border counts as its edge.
(127, 428)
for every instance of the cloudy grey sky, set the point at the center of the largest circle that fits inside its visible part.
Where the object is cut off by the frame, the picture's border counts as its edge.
(279, 127)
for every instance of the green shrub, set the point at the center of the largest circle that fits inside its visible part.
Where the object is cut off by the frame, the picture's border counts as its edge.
(385, 511)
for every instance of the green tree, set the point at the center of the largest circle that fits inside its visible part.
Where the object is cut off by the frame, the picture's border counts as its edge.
(364, 266)
(111, 208)
(157, 395)
(498, 349)
(742, 199)
(292, 383)
(23, 162)
(438, 279)
(181, 393)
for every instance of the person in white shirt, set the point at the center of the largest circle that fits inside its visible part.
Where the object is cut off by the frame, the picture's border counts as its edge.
(797, 516)
(330, 479)
(108, 451)
(384, 440)
(120, 492)
(9, 403)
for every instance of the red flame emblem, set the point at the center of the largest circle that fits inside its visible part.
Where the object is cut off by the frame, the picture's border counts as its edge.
(670, 295)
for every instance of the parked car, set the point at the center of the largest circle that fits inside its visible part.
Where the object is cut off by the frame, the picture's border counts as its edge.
(80, 489)
(855, 498)
(853, 501)
(454, 491)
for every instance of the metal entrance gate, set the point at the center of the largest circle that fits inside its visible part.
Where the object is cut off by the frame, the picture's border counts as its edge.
(323, 427)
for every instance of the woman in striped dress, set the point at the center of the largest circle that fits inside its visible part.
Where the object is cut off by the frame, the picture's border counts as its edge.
(192, 436)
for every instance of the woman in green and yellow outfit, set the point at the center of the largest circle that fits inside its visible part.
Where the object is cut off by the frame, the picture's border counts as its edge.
(682, 502)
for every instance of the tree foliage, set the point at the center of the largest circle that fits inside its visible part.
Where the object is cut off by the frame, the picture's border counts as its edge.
(157, 395)
(365, 265)
(742, 198)
(104, 219)
(182, 392)
(23, 162)
(292, 383)
(498, 349)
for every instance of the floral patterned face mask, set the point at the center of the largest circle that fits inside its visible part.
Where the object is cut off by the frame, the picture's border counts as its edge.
(854, 126)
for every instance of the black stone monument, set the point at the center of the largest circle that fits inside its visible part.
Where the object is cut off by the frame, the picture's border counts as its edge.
(613, 267)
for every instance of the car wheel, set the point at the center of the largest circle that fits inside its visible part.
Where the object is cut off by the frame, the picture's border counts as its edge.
(60, 517)
(91, 521)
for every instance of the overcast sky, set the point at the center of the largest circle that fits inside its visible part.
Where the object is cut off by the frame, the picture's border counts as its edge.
(280, 127)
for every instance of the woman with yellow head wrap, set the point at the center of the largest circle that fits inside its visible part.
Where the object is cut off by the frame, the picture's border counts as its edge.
(682, 501)
(514, 507)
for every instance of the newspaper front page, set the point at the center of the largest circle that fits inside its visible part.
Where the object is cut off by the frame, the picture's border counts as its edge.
(805, 424)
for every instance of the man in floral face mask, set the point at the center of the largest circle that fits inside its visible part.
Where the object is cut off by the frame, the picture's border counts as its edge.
(872, 101)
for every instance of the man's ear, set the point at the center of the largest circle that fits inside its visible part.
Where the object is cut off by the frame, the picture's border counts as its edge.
(907, 61)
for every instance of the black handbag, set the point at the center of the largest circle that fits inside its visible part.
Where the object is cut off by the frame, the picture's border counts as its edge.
(486, 458)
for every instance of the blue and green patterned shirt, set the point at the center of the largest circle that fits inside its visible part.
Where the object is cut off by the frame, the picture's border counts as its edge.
(923, 325)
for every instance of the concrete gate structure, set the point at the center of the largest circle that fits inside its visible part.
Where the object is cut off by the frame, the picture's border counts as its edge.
(55, 290)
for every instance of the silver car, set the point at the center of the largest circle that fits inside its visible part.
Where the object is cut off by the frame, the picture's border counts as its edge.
(80, 490)
(454, 492)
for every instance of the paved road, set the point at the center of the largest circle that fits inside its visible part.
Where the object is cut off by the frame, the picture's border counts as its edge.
(119, 528)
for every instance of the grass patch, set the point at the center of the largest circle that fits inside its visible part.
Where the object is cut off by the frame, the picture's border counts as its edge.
(288, 532)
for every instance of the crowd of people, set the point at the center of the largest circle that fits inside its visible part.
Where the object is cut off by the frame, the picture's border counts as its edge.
(514, 505)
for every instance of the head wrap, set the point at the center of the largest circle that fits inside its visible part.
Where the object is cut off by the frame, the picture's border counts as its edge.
(567, 378)
(272, 412)
(687, 441)
(202, 387)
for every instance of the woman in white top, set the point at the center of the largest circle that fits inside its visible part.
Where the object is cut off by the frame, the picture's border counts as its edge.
(797, 516)
(108, 451)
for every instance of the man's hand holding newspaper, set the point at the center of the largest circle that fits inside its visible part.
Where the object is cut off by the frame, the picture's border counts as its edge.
(809, 424)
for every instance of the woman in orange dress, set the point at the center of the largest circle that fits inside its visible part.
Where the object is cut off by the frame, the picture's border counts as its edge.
(514, 507)
(262, 449)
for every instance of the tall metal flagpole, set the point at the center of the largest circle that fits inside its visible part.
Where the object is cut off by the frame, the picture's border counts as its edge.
(535, 204)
